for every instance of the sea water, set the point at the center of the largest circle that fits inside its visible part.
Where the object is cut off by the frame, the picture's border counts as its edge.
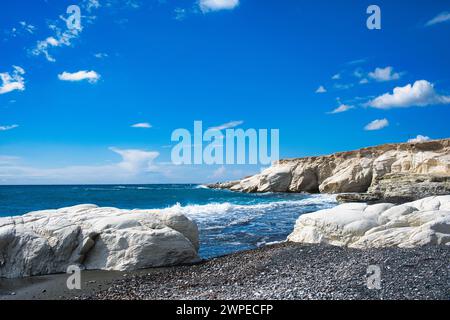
(228, 222)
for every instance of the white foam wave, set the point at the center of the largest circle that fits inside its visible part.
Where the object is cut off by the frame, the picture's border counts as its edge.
(219, 209)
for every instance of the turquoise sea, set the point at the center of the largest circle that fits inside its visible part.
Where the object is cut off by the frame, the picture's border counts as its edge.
(228, 221)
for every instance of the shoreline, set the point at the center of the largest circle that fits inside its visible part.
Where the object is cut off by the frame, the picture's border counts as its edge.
(281, 271)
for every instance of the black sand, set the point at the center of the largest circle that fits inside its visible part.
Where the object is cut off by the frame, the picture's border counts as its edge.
(282, 271)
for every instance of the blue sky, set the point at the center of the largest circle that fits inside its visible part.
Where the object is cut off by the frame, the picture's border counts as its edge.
(312, 69)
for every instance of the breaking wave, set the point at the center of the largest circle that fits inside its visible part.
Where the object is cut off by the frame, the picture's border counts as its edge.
(215, 210)
(228, 227)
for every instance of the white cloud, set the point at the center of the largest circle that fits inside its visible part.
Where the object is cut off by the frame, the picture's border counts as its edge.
(440, 18)
(8, 160)
(135, 166)
(384, 74)
(227, 173)
(341, 108)
(219, 173)
(358, 61)
(6, 128)
(12, 81)
(101, 55)
(343, 86)
(143, 125)
(90, 76)
(136, 161)
(14, 32)
(358, 73)
(377, 125)
(364, 81)
(321, 89)
(63, 36)
(180, 14)
(60, 39)
(133, 4)
(419, 138)
(52, 41)
(421, 94)
(24, 28)
(216, 5)
(27, 27)
(227, 125)
(336, 76)
(91, 4)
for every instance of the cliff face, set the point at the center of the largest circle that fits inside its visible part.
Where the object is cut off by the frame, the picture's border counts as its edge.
(388, 171)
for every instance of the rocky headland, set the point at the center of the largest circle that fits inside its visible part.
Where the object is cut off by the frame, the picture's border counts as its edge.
(94, 238)
(394, 173)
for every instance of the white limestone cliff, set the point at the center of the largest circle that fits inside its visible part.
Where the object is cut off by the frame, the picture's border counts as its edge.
(360, 171)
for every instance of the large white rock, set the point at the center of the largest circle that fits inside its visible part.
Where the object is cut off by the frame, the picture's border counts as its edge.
(45, 242)
(418, 223)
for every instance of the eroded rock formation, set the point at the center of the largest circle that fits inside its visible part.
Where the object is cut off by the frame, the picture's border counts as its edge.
(46, 242)
(402, 172)
(358, 225)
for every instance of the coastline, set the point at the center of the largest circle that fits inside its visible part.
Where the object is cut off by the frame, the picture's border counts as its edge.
(281, 271)
(300, 270)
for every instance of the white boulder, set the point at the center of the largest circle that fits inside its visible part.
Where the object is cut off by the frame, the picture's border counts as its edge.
(418, 223)
(46, 242)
